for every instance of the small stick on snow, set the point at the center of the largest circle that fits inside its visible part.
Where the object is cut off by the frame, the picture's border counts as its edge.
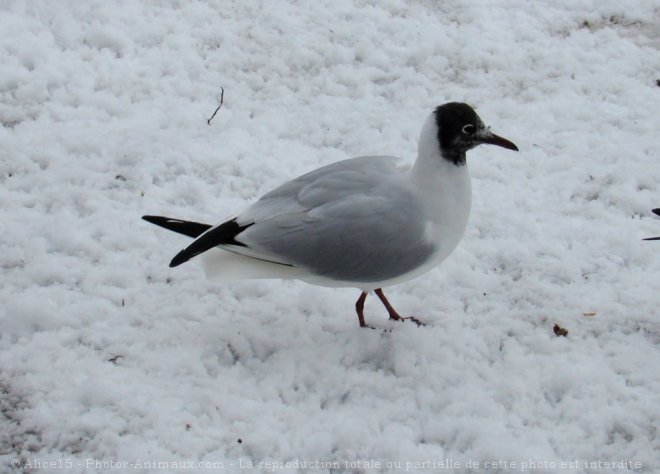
(222, 99)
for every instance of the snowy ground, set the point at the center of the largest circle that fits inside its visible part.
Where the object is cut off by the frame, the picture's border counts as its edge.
(108, 356)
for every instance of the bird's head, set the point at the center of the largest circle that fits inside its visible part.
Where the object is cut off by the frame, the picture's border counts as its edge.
(460, 129)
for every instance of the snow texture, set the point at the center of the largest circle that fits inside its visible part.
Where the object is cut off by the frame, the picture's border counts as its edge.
(109, 356)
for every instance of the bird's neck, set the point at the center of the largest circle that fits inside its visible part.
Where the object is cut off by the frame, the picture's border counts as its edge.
(432, 165)
(445, 191)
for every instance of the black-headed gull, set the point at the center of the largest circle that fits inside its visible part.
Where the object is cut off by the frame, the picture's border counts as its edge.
(365, 222)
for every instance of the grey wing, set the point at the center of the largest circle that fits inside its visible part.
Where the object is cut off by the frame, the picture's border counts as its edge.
(321, 186)
(349, 222)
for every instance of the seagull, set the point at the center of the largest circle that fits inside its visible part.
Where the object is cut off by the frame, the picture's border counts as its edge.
(367, 222)
(655, 211)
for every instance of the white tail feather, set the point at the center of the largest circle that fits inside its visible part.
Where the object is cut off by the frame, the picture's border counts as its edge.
(221, 265)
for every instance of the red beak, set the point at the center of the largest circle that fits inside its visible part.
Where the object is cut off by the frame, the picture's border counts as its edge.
(493, 139)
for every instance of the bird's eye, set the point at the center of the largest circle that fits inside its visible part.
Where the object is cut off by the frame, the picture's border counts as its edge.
(469, 129)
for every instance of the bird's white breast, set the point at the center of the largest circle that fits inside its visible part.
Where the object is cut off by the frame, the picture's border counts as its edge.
(446, 192)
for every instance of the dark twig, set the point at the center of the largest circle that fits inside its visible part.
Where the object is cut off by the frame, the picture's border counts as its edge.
(222, 98)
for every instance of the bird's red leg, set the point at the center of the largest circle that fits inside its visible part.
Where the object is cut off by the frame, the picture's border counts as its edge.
(392, 312)
(359, 307)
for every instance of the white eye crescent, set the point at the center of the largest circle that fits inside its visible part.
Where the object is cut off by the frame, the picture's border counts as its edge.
(468, 129)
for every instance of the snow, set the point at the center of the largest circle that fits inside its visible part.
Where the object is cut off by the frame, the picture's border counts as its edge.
(109, 358)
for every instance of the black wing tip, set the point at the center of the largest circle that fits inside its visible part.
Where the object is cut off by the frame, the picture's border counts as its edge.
(188, 228)
(179, 258)
(655, 211)
(161, 220)
(224, 234)
(153, 219)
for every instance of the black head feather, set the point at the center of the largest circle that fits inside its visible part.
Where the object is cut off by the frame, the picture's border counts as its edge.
(451, 118)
